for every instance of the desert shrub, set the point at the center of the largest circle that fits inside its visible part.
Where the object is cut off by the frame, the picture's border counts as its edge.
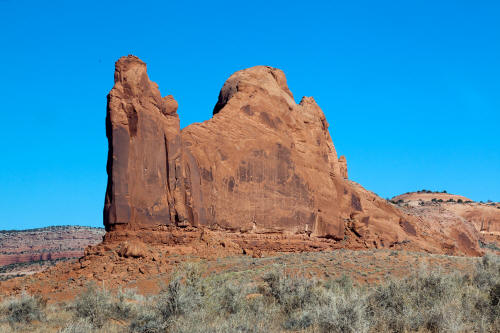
(343, 313)
(425, 301)
(94, 305)
(292, 292)
(121, 308)
(147, 321)
(190, 303)
(460, 201)
(254, 315)
(438, 302)
(342, 285)
(23, 310)
(487, 271)
(182, 296)
(80, 326)
(333, 306)
(296, 296)
(429, 301)
(409, 304)
(492, 246)
(230, 299)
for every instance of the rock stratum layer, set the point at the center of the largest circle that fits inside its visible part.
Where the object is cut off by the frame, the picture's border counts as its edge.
(24, 246)
(261, 174)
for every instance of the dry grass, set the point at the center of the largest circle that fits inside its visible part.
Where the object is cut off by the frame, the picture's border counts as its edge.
(287, 293)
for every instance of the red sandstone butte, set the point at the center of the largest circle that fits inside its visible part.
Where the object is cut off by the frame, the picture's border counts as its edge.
(262, 169)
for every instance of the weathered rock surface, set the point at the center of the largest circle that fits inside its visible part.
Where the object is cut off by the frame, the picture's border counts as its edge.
(343, 166)
(458, 217)
(263, 171)
(265, 163)
(144, 161)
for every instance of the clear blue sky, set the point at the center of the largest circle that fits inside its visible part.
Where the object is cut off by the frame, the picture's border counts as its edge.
(411, 89)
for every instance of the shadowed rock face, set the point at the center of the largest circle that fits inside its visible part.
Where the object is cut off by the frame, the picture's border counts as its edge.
(262, 165)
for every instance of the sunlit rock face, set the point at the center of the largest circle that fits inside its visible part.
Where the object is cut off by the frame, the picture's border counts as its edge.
(145, 186)
(262, 165)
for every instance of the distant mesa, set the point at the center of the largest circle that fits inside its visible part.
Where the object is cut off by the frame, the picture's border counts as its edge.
(262, 173)
(427, 195)
(46, 244)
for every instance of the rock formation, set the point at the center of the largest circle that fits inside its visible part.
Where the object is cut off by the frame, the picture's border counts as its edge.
(454, 215)
(262, 168)
(343, 166)
(145, 154)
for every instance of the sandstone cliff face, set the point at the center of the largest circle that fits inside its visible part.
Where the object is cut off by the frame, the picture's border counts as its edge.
(145, 187)
(266, 163)
(263, 165)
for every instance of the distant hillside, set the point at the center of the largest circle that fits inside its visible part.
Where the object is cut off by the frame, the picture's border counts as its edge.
(426, 195)
(27, 251)
(450, 211)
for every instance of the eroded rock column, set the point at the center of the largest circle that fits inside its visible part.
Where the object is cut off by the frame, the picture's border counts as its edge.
(145, 178)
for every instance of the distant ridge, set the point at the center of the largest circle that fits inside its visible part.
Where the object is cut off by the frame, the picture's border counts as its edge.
(30, 250)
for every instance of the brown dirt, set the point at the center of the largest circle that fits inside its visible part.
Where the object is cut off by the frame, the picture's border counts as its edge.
(149, 272)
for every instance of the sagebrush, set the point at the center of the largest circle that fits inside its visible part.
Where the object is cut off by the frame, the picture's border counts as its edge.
(284, 300)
